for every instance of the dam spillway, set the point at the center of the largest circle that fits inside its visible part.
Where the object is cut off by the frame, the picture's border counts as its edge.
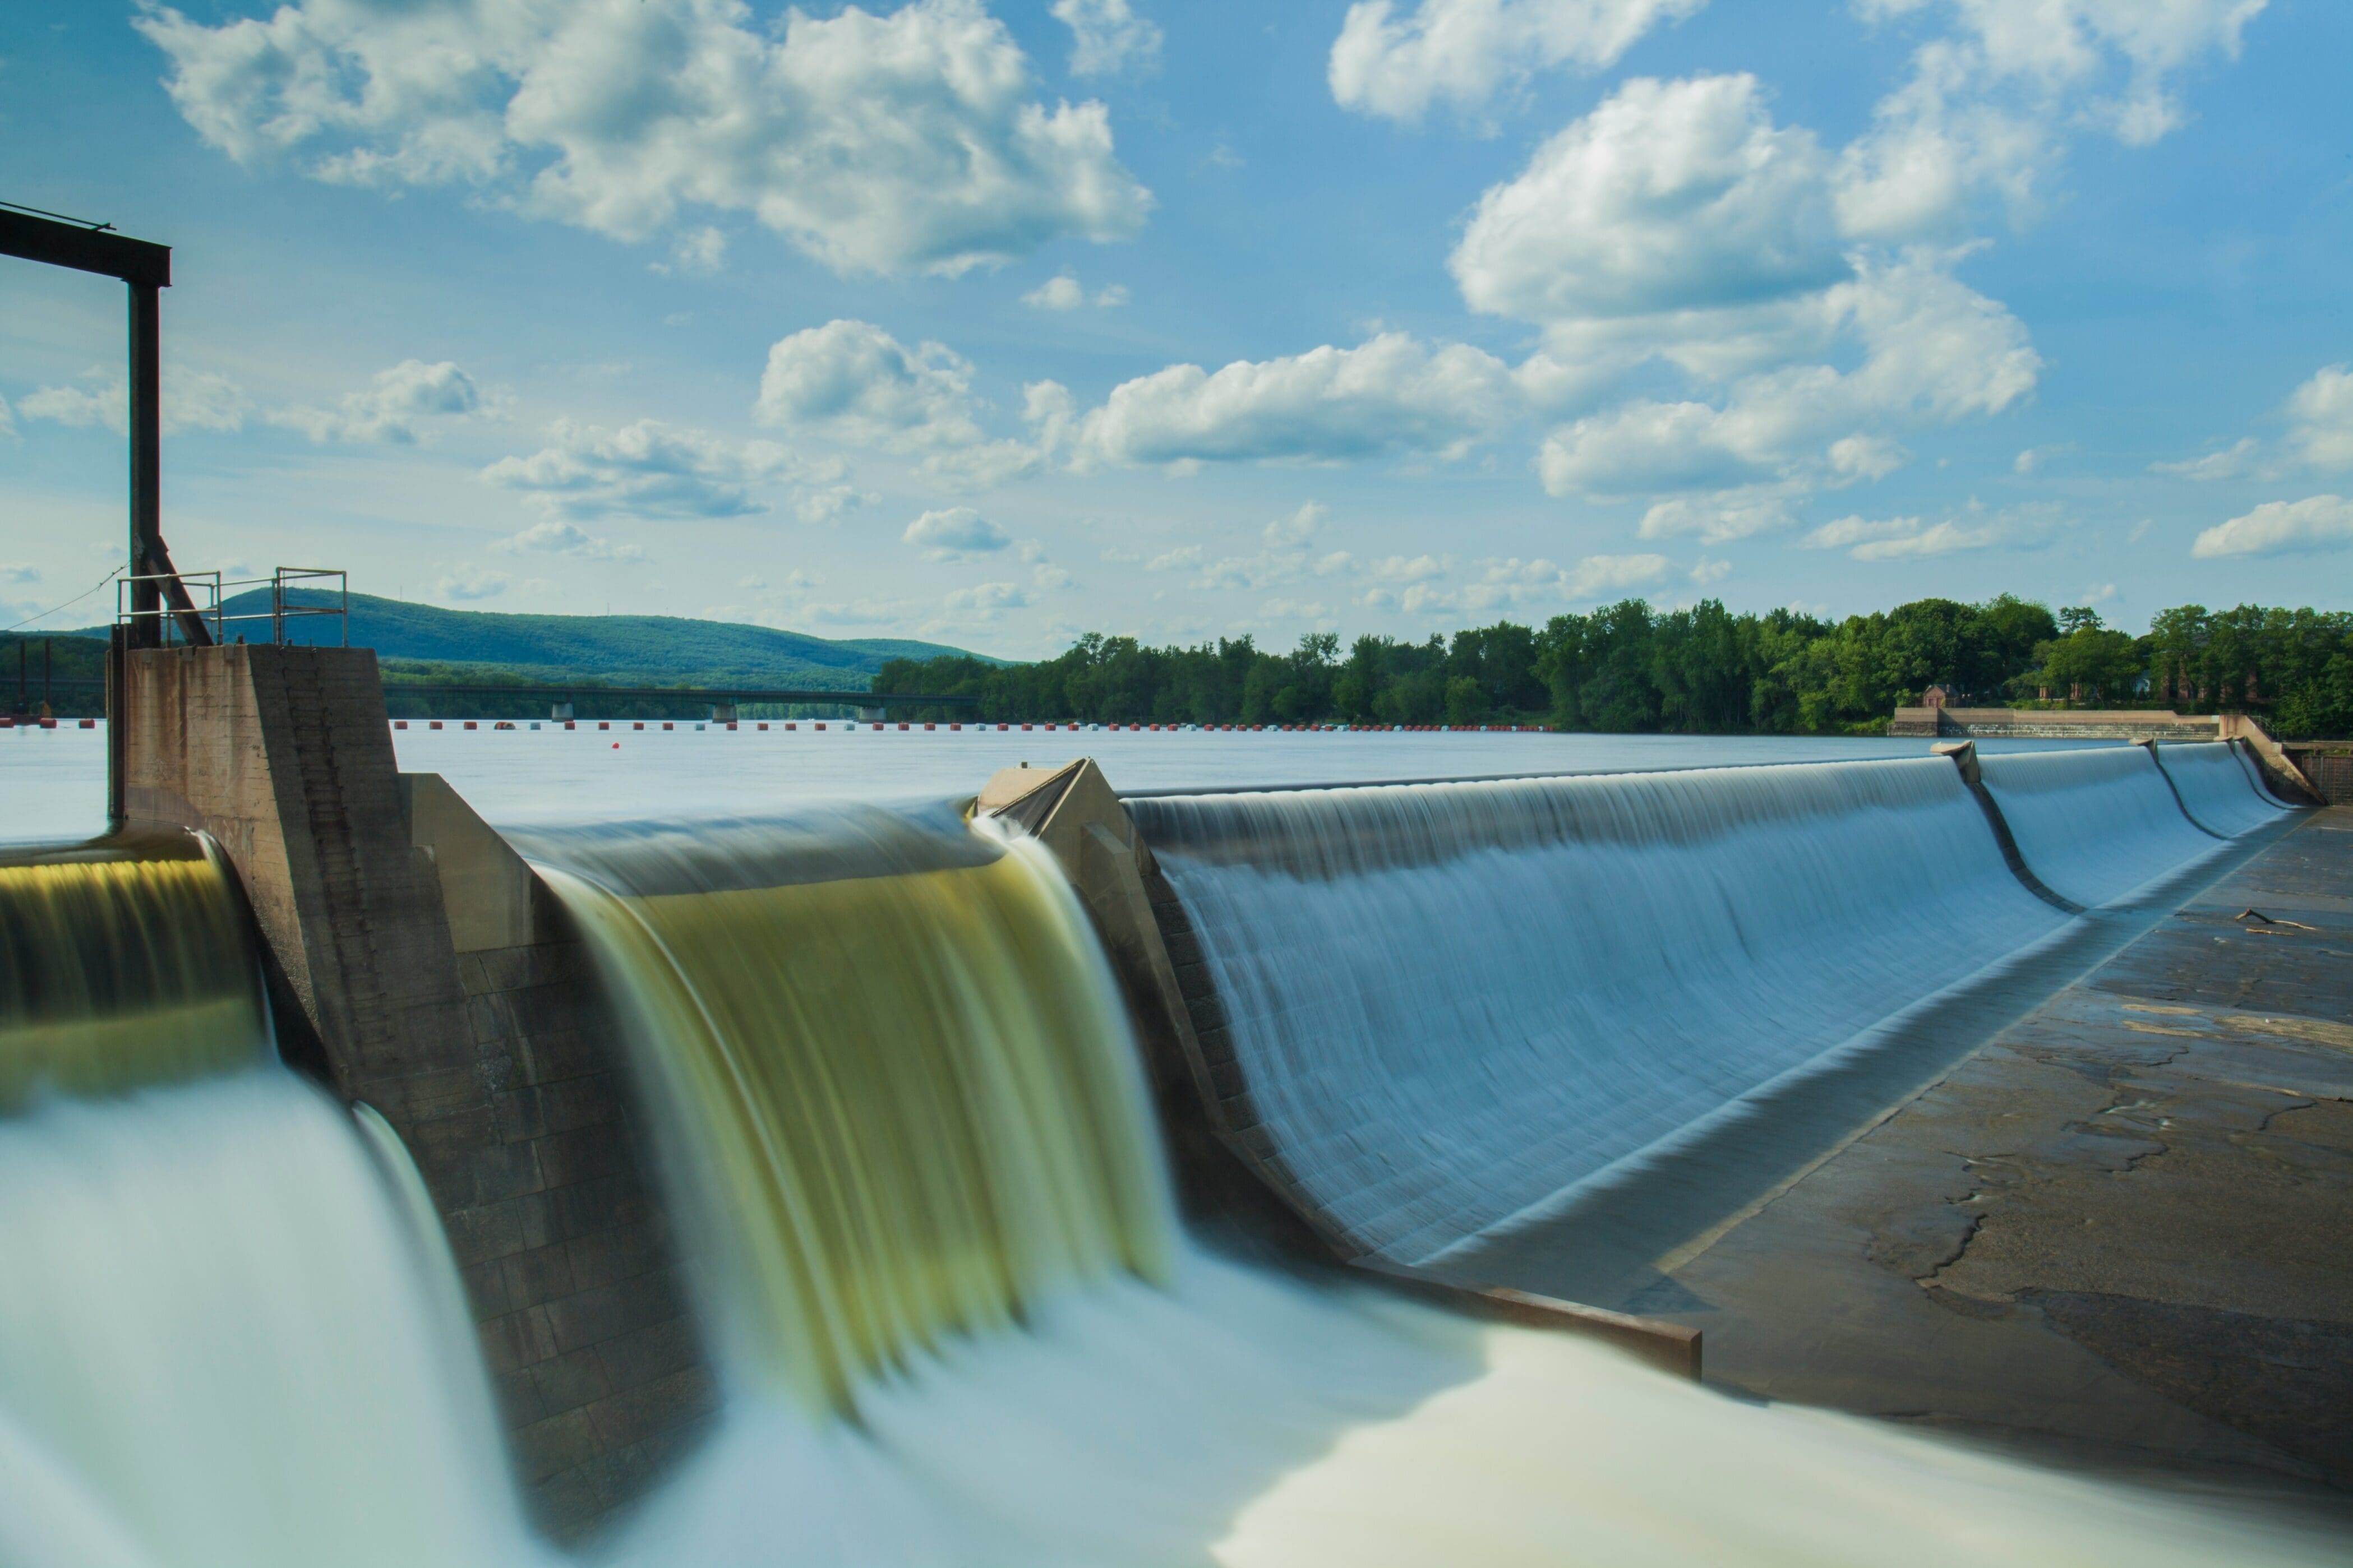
(972, 1329)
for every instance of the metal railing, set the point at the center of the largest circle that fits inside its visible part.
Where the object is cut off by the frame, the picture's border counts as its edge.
(212, 596)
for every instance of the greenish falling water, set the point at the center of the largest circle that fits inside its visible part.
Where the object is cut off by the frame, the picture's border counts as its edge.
(122, 966)
(909, 1097)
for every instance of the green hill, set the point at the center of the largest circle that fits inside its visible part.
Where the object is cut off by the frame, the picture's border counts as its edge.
(624, 651)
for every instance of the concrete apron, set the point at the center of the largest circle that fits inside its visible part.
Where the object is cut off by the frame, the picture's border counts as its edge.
(2112, 1236)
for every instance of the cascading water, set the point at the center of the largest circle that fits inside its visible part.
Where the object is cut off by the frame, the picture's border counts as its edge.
(903, 1100)
(887, 1041)
(120, 965)
(1051, 1373)
(222, 1341)
(2095, 824)
(2215, 788)
(1457, 1005)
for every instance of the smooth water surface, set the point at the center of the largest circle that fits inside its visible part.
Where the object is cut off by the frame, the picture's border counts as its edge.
(53, 781)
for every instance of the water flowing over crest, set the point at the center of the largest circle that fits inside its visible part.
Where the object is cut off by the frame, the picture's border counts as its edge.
(2216, 787)
(1454, 1003)
(897, 1074)
(121, 965)
(2097, 824)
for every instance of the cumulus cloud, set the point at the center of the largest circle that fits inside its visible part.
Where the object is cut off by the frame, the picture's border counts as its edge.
(1107, 36)
(953, 533)
(402, 405)
(1415, 583)
(1467, 52)
(556, 537)
(893, 144)
(1988, 106)
(471, 583)
(646, 469)
(2321, 417)
(2281, 528)
(1714, 519)
(1392, 394)
(1670, 198)
(193, 400)
(855, 382)
(7, 421)
(1933, 350)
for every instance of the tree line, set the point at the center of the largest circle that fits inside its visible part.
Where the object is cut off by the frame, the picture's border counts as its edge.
(1629, 666)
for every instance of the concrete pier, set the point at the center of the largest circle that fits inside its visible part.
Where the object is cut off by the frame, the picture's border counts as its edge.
(417, 964)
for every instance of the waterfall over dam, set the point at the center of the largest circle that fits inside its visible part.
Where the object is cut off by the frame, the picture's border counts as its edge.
(903, 1124)
(1457, 1009)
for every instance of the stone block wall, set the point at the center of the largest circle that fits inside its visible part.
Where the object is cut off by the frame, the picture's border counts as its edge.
(419, 966)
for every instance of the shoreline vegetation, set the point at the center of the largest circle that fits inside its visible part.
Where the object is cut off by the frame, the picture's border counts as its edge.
(1626, 668)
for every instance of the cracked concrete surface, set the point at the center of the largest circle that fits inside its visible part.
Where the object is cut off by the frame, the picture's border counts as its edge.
(2115, 1235)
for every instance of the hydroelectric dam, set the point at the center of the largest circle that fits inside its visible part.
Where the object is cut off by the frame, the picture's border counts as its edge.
(1936, 1158)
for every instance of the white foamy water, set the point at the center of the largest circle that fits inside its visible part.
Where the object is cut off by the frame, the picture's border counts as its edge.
(222, 1344)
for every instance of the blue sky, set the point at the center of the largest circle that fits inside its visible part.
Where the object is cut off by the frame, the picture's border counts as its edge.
(992, 323)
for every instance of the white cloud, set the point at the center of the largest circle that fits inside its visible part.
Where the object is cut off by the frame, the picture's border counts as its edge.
(855, 382)
(1057, 293)
(1670, 197)
(1107, 36)
(7, 421)
(16, 575)
(468, 583)
(400, 406)
(1391, 393)
(695, 252)
(1062, 292)
(1904, 537)
(556, 537)
(953, 533)
(1182, 559)
(645, 469)
(1735, 513)
(1706, 571)
(985, 600)
(1467, 52)
(1988, 107)
(1933, 351)
(1599, 575)
(2281, 528)
(2227, 464)
(908, 142)
(2032, 459)
(193, 400)
(2321, 412)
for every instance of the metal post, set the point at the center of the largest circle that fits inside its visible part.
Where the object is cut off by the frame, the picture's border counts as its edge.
(47, 693)
(146, 413)
(116, 814)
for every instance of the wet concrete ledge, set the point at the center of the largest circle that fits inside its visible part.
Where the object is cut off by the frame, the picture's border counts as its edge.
(2113, 1236)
